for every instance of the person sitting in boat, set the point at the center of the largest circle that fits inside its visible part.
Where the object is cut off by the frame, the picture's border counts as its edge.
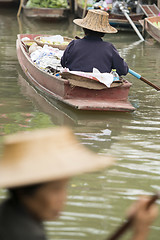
(91, 51)
(35, 168)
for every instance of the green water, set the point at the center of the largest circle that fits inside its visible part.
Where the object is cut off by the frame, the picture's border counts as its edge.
(97, 202)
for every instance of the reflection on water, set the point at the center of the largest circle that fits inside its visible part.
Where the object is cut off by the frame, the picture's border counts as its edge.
(96, 202)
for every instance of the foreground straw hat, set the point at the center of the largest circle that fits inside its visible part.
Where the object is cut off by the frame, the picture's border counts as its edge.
(45, 155)
(96, 20)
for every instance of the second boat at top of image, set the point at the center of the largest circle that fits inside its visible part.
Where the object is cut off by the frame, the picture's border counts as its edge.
(45, 9)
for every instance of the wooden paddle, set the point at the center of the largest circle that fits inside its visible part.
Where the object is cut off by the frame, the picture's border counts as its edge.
(20, 8)
(130, 21)
(143, 79)
(130, 220)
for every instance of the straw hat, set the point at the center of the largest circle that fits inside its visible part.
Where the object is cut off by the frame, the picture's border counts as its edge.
(45, 155)
(96, 20)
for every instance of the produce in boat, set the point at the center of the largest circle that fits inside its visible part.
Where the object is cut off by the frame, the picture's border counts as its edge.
(55, 41)
(156, 24)
(47, 4)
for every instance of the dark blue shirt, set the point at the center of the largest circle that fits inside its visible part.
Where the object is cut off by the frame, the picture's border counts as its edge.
(17, 224)
(89, 52)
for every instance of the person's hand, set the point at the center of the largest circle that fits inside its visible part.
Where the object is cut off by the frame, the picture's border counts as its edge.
(143, 217)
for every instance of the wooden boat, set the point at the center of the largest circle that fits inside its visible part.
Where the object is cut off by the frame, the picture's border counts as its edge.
(45, 13)
(119, 20)
(152, 30)
(100, 98)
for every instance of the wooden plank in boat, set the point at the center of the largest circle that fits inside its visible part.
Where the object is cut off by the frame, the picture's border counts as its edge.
(85, 82)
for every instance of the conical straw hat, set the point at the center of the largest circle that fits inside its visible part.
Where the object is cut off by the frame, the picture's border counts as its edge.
(96, 20)
(45, 155)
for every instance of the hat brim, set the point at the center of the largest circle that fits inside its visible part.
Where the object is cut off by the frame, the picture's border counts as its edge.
(107, 29)
(48, 161)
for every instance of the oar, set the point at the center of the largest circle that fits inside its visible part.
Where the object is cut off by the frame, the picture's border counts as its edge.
(20, 8)
(137, 75)
(130, 220)
(130, 21)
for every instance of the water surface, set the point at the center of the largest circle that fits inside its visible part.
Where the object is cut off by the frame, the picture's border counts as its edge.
(97, 202)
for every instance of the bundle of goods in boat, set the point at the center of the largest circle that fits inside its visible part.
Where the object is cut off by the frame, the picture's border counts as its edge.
(103, 5)
(47, 4)
(46, 58)
(156, 24)
(130, 6)
(27, 42)
(92, 4)
(56, 41)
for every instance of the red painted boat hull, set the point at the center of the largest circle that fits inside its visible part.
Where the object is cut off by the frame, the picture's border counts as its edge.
(108, 99)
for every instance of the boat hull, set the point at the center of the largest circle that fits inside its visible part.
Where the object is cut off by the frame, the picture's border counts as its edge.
(108, 99)
(45, 13)
(152, 30)
(119, 21)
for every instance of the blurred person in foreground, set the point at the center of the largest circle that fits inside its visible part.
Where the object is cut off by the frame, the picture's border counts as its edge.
(91, 51)
(35, 168)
